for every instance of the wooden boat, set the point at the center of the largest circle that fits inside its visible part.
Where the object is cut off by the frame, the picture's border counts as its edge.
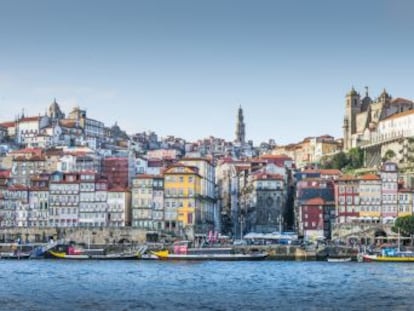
(181, 251)
(63, 251)
(63, 255)
(398, 257)
(166, 255)
(343, 259)
(115, 256)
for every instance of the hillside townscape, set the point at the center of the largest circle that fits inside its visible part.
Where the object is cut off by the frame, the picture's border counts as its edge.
(65, 170)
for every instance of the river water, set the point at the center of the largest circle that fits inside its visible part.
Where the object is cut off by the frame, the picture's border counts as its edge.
(153, 285)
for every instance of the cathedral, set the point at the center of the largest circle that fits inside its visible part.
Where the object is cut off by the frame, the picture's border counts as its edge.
(363, 115)
(381, 127)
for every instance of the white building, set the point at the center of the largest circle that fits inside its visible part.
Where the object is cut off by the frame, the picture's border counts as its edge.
(29, 127)
(119, 207)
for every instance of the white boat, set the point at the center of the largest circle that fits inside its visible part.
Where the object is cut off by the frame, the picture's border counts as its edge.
(344, 259)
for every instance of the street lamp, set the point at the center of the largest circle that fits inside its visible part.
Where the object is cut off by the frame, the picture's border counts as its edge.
(280, 220)
(241, 226)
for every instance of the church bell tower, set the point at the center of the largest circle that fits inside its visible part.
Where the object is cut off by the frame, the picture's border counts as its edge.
(240, 128)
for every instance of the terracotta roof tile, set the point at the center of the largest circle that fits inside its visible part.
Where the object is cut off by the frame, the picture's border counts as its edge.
(267, 176)
(400, 114)
(29, 119)
(370, 177)
(315, 201)
(144, 176)
(8, 124)
(347, 177)
(18, 187)
(27, 150)
(118, 189)
(400, 99)
(331, 172)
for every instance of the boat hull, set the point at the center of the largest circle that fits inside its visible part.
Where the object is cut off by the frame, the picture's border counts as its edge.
(376, 258)
(218, 257)
(61, 255)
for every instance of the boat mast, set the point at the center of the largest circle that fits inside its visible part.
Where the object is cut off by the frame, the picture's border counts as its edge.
(399, 248)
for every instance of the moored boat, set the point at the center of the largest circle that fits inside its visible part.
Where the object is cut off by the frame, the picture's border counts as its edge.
(166, 255)
(388, 254)
(71, 252)
(397, 257)
(115, 256)
(181, 251)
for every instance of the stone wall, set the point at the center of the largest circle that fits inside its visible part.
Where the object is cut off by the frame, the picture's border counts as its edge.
(78, 235)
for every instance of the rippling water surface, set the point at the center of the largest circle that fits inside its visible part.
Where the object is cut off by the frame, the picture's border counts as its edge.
(152, 285)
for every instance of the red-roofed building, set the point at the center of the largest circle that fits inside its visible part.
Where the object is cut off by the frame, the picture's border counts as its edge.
(29, 127)
(348, 200)
(370, 198)
(10, 128)
(316, 218)
(309, 151)
(280, 160)
(27, 152)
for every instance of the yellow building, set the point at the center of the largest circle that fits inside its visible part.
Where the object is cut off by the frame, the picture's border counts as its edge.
(182, 192)
(370, 197)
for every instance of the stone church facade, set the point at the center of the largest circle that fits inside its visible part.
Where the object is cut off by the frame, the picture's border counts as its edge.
(381, 127)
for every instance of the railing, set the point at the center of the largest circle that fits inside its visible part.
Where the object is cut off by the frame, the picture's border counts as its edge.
(381, 138)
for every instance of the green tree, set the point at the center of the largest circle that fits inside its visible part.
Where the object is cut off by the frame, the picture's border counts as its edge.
(404, 225)
(355, 158)
(339, 160)
(344, 161)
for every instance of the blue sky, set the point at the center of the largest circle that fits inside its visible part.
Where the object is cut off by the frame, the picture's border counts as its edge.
(184, 67)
